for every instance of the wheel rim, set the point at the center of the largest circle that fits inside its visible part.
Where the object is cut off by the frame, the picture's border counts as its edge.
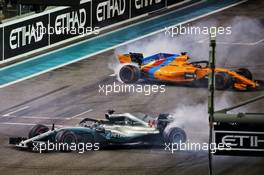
(222, 81)
(177, 137)
(219, 81)
(127, 74)
(69, 139)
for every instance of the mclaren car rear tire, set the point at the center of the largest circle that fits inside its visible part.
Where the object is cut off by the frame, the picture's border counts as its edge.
(65, 138)
(245, 72)
(129, 74)
(175, 135)
(223, 81)
(261, 84)
(37, 130)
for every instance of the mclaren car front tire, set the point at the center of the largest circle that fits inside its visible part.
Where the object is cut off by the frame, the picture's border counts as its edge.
(223, 81)
(129, 74)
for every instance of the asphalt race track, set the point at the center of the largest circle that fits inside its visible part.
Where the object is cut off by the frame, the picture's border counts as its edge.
(68, 94)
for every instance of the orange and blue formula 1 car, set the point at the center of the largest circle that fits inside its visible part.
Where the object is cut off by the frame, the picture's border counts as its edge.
(177, 69)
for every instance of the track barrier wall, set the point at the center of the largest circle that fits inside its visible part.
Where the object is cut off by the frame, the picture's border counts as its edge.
(22, 36)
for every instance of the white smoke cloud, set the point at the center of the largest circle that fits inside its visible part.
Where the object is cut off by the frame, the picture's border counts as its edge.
(226, 54)
(194, 118)
(244, 30)
(115, 65)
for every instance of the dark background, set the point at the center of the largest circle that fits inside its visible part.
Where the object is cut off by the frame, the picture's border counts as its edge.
(171, 2)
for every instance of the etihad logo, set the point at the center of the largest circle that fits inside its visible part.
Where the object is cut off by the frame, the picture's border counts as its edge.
(242, 141)
(109, 9)
(139, 4)
(25, 35)
(69, 21)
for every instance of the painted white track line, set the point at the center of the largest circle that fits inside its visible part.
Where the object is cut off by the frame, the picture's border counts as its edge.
(43, 118)
(47, 118)
(124, 43)
(202, 40)
(75, 116)
(113, 75)
(9, 115)
(27, 124)
(13, 112)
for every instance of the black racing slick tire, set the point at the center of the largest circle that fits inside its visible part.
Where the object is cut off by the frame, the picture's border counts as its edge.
(245, 72)
(261, 84)
(175, 135)
(65, 139)
(37, 130)
(223, 81)
(129, 74)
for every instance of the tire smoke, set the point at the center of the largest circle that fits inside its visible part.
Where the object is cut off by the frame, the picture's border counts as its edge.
(232, 51)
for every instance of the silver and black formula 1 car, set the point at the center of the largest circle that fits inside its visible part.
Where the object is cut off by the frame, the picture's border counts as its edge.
(116, 129)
